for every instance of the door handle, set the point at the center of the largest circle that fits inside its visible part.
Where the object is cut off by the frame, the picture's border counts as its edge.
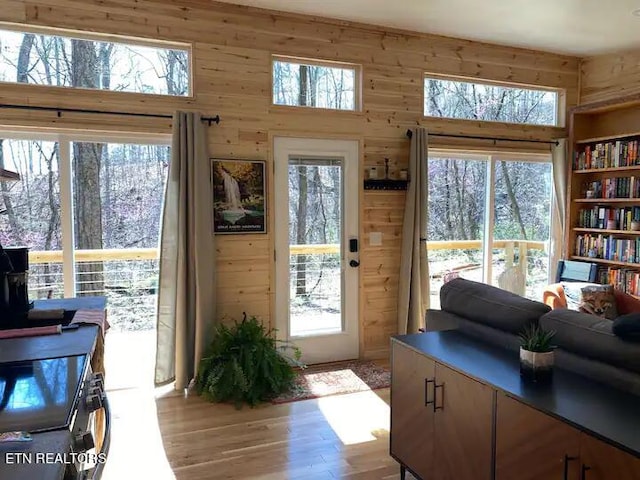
(435, 389)
(583, 474)
(354, 263)
(426, 391)
(567, 459)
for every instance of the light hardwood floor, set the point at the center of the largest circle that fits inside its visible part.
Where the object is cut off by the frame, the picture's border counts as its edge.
(162, 434)
(342, 436)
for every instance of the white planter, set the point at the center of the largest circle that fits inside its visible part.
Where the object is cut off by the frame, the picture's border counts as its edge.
(536, 366)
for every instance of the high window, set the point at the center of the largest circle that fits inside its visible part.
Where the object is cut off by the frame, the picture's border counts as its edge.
(310, 83)
(490, 220)
(91, 62)
(473, 100)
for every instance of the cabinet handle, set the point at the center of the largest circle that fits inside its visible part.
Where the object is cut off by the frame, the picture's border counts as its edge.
(567, 459)
(427, 381)
(583, 475)
(435, 389)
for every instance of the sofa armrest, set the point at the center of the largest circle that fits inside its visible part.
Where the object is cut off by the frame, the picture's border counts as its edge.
(626, 303)
(553, 295)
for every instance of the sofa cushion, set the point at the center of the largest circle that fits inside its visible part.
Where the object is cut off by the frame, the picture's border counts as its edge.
(591, 337)
(490, 305)
(627, 327)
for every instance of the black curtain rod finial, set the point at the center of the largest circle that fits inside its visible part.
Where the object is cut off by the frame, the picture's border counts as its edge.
(211, 120)
(409, 133)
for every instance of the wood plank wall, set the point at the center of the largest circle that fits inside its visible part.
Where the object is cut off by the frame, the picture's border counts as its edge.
(232, 49)
(605, 77)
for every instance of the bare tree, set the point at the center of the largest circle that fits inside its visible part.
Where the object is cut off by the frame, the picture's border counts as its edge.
(24, 57)
(87, 158)
(6, 198)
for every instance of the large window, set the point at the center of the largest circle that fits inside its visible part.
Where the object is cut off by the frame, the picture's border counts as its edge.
(90, 211)
(315, 84)
(475, 100)
(73, 61)
(489, 221)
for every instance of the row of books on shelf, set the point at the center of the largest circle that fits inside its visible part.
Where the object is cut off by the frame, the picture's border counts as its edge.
(608, 247)
(622, 279)
(608, 218)
(619, 153)
(615, 187)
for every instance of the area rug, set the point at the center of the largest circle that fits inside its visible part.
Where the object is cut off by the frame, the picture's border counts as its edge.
(337, 378)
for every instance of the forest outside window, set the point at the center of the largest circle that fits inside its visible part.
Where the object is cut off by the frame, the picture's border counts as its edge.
(89, 209)
(317, 84)
(94, 63)
(490, 220)
(474, 100)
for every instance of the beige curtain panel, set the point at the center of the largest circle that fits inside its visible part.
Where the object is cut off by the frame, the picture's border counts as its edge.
(559, 158)
(413, 294)
(186, 295)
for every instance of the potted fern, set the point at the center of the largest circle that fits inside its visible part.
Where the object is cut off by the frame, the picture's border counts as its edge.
(245, 363)
(536, 354)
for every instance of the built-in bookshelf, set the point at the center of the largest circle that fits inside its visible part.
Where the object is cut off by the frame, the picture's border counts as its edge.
(603, 210)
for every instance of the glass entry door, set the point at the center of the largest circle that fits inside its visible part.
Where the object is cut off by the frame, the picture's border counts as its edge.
(316, 247)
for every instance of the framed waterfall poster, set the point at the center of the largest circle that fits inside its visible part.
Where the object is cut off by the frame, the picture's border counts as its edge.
(239, 188)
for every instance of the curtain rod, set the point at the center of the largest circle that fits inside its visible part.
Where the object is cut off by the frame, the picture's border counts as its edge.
(61, 110)
(495, 139)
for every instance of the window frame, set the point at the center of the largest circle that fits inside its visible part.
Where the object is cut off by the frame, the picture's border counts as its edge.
(65, 139)
(491, 157)
(357, 78)
(560, 103)
(104, 37)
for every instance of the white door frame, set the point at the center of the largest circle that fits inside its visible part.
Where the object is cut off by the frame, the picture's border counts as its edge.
(325, 347)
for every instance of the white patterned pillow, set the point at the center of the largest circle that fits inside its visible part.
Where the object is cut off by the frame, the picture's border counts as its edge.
(573, 293)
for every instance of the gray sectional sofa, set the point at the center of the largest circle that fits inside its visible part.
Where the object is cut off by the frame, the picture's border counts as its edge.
(585, 343)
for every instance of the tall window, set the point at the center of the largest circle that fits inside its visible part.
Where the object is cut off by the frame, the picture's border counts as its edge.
(315, 84)
(100, 201)
(65, 61)
(498, 235)
(475, 100)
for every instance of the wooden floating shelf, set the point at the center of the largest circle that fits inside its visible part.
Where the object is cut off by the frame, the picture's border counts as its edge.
(608, 138)
(385, 184)
(606, 200)
(606, 262)
(7, 175)
(604, 230)
(609, 169)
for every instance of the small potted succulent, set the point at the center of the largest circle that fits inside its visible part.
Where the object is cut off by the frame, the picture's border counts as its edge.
(536, 354)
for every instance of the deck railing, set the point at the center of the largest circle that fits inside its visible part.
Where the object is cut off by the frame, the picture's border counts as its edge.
(55, 256)
(129, 276)
(136, 267)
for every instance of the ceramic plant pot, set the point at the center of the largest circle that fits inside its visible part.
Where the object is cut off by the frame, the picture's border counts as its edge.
(536, 366)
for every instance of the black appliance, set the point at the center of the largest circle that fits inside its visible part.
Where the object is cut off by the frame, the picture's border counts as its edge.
(55, 394)
(14, 277)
